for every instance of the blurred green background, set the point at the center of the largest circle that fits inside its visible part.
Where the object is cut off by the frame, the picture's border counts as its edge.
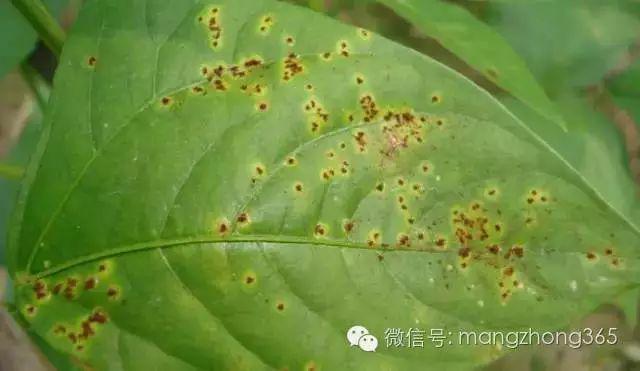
(584, 53)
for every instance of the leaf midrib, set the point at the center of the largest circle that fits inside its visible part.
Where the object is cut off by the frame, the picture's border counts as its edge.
(208, 239)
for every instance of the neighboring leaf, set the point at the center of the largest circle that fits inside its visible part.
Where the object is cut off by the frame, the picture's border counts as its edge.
(16, 35)
(17, 161)
(478, 45)
(625, 90)
(627, 83)
(232, 185)
(628, 302)
(567, 44)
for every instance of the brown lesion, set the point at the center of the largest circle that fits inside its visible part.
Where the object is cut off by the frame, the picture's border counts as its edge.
(223, 227)
(92, 61)
(211, 19)
(266, 23)
(320, 230)
(249, 279)
(344, 48)
(292, 67)
(40, 290)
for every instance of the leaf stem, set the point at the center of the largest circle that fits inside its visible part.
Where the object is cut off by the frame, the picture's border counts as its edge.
(43, 22)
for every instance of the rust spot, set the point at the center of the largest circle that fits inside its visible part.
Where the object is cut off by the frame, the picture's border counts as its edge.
(166, 101)
(518, 251)
(280, 307)
(60, 330)
(40, 289)
(348, 226)
(69, 290)
(320, 230)
(464, 252)
(243, 218)
(223, 228)
(403, 240)
(90, 283)
(112, 292)
(615, 261)
(591, 255)
(508, 271)
(292, 67)
(494, 249)
(249, 279)
(92, 61)
(99, 317)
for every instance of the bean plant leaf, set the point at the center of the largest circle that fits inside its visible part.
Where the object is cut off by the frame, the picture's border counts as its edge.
(575, 46)
(232, 185)
(625, 90)
(480, 46)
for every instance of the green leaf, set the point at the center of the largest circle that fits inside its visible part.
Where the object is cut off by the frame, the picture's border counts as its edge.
(245, 217)
(478, 45)
(625, 90)
(575, 45)
(16, 35)
(14, 164)
(628, 302)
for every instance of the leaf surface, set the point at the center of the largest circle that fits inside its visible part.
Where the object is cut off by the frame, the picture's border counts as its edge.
(480, 46)
(575, 46)
(232, 185)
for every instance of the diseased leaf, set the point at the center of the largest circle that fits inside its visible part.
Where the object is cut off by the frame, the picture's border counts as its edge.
(234, 184)
(480, 46)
